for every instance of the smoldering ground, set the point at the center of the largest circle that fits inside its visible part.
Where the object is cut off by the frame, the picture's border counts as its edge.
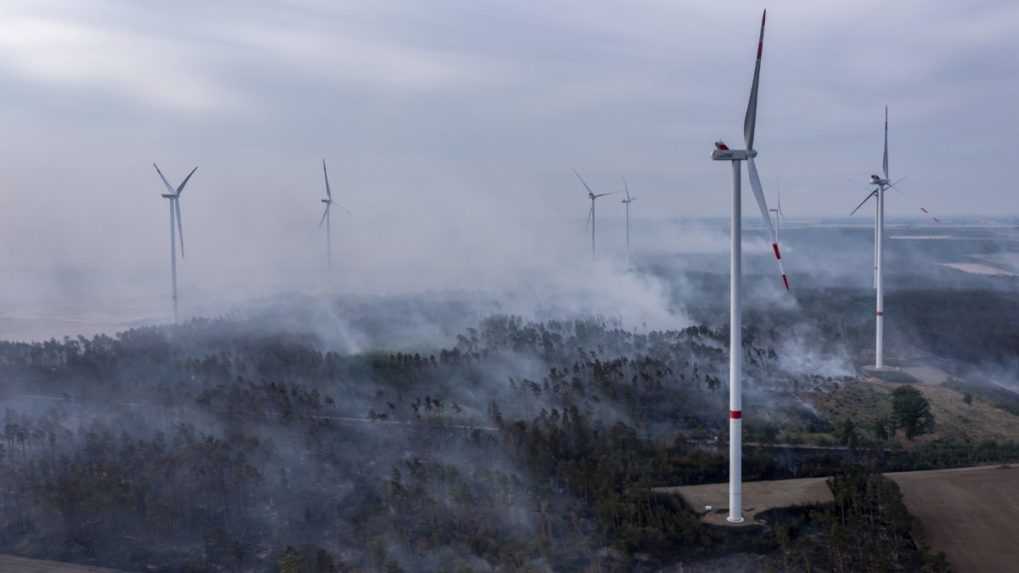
(351, 423)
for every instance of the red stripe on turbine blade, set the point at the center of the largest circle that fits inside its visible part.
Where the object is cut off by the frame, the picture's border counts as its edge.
(735, 414)
(879, 313)
(785, 280)
(774, 247)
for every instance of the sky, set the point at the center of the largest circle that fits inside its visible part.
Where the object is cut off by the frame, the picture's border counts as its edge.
(458, 122)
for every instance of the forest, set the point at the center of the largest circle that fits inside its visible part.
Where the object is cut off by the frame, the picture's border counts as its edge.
(224, 445)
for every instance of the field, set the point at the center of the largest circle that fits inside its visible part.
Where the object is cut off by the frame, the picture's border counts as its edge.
(758, 497)
(10, 564)
(970, 514)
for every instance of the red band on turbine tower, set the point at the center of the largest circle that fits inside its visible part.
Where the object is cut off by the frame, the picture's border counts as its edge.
(879, 313)
(735, 414)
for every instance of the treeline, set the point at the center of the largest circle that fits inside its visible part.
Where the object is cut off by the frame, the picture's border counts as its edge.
(215, 447)
(866, 530)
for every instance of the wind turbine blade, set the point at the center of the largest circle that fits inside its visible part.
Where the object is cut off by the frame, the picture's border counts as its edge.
(325, 214)
(755, 185)
(750, 121)
(626, 188)
(180, 225)
(928, 213)
(762, 203)
(897, 181)
(169, 188)
(884, 162)
(862, 203)
(325, 173)
(586, 186)
(185, 181)
(590, 215)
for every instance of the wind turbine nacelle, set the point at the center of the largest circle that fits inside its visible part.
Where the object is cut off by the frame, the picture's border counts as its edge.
(169, 196)
(725, 154)
(326, 201)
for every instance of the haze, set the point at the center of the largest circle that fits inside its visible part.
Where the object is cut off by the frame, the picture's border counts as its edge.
(451, 128)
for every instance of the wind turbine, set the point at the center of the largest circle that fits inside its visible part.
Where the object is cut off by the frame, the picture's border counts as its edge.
(176, 227)
(723, 153)
(590, 214)
(881, 184)
(629, 199)
(326, 218)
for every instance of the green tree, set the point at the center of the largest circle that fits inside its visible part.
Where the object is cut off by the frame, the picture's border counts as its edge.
(911, 411)
(848, 434)
(881, 429)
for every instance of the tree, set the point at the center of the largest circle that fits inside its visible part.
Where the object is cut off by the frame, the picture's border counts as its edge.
(911, 411)
(848, 434)
(290, 561)
(881, 429)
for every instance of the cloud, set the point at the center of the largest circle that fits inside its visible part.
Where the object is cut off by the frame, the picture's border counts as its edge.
(73, 55)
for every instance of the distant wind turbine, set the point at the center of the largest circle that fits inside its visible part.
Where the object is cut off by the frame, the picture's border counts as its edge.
(723, 153)
(881, 184)
(176, 227)
(327, 217)
(626, 201)
(591, 214)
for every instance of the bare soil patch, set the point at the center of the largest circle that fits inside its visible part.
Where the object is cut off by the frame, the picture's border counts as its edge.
(758, 497)
(971, 514)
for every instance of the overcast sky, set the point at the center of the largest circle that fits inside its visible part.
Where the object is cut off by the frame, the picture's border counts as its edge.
(440, 112)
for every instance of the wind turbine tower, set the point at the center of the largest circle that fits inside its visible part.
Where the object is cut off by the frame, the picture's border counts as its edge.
(591, 214)
(626, 202)
(722, 152)
(176, 227)
(327, 218)
(881, 184)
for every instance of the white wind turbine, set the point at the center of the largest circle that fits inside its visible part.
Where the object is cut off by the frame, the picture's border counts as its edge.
(626, 201)
(723, 153)
(176, 227)
(881, 184)
(327, 217)
(591, 214)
